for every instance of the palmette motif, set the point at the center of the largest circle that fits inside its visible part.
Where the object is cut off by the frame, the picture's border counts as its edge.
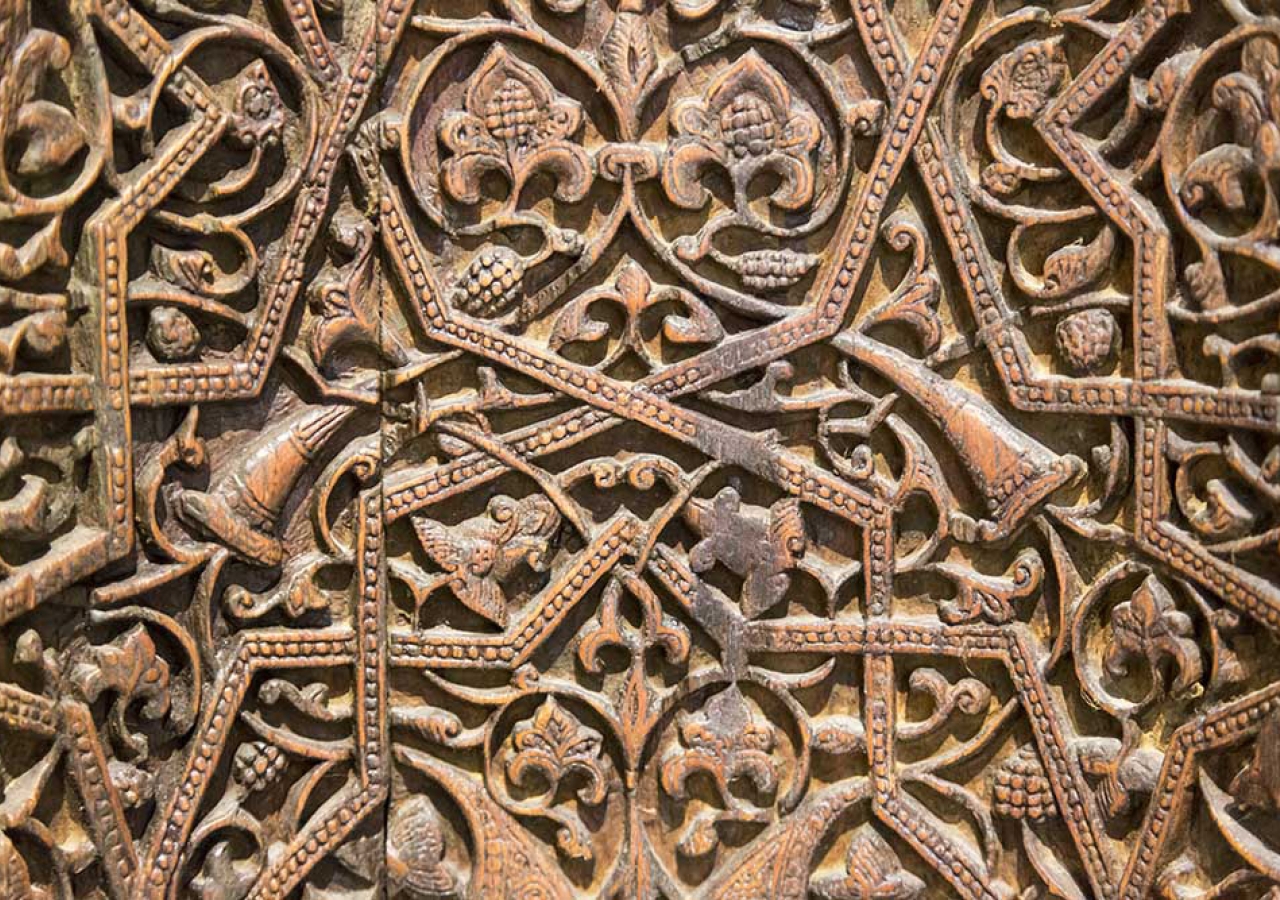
(638, 449)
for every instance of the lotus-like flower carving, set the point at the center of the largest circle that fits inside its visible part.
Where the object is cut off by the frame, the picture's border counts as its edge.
(513, 122)
(259, 111)
(749, 123)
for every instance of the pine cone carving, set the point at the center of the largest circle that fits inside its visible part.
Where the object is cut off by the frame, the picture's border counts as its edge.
(1021, 789)
(491, 285)
(258, 765)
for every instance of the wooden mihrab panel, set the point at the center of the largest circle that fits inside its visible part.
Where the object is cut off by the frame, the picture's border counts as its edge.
(637, 449)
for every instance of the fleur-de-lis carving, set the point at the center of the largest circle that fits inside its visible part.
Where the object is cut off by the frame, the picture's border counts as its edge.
(749, 123)
(130, 667)
(41, 141)
(513, 122)
(636, 294)
(554, 744)
(1152, 627)
(726, 740)
(551, 747)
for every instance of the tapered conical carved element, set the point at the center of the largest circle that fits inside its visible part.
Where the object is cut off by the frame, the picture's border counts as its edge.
(639, 450)
(243, 506)
(1013, 471)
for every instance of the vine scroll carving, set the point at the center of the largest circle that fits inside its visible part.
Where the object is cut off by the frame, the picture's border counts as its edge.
(639, 449)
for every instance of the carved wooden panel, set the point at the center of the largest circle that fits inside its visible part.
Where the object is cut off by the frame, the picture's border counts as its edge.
(636, 449)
